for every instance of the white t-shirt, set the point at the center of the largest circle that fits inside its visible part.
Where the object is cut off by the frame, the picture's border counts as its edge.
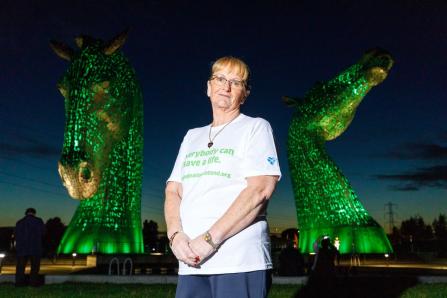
(212, 178)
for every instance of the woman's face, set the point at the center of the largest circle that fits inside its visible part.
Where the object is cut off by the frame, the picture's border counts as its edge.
(226, 90)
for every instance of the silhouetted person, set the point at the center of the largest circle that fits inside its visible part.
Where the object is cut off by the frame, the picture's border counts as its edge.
(54, 230)
(291, 262)
(150, 233)
(29, 233)
(324, 261)
(322, 280)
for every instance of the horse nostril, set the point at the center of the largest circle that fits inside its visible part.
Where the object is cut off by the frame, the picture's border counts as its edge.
(385, 61)
(86, 174)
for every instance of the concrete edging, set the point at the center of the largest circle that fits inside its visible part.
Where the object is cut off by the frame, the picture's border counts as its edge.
(432, 279)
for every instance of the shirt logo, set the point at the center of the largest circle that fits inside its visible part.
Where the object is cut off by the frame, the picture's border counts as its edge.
(271, 160)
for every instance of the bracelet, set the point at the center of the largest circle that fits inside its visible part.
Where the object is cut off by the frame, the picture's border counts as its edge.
(172, 237)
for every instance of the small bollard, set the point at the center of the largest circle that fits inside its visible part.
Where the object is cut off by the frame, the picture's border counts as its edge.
(2, 256)
(73, 259)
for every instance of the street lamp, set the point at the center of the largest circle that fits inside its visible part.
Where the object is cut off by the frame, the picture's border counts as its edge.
(2, 256)
(74, 259)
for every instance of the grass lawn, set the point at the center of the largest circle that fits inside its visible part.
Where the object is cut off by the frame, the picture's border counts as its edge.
(426, 290)
(89, 290)
(67, 290)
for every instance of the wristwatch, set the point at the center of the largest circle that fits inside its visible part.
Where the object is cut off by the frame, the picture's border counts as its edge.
(207, 237)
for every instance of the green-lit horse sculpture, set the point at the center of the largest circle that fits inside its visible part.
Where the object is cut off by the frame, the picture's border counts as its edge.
(325, 202)
(101, 162)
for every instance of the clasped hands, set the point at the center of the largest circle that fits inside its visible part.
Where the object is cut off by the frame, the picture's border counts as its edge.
(191, 252)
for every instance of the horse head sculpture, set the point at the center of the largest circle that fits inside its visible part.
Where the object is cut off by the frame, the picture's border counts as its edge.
(101, 162)
(326, 204)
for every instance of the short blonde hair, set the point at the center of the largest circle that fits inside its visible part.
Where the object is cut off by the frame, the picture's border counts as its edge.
(235, 65)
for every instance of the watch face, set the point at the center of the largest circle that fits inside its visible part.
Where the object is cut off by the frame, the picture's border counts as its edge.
(209, 239)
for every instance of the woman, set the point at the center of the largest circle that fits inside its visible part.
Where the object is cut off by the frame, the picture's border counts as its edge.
(217, 194)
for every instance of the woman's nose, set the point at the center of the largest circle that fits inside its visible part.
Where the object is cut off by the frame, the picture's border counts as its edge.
(227, 85)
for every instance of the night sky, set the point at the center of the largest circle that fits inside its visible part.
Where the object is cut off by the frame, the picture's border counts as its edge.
(394, 151)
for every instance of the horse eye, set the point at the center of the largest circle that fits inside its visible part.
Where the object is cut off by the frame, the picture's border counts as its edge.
(100, 90)
(102, 87)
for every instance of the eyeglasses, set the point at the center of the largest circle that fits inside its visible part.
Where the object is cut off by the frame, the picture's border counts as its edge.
(222, 81)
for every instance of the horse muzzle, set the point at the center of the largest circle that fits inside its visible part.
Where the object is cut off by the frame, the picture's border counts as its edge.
(81, 180)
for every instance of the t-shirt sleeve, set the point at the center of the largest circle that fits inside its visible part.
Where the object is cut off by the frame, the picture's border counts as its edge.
(176, 174)
(260, 155)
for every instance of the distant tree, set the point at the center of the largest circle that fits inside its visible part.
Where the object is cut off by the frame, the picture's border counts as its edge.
(416, 229)
(53, 235)
(440, 227)
(395, 236)
(428, 232)
(150, 234)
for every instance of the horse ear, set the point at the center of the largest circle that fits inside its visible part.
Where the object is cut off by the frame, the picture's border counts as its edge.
(62, 50)
(290, 101)
(79, 40)
(116, 43)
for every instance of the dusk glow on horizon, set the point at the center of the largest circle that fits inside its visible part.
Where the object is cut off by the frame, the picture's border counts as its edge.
(395, 149)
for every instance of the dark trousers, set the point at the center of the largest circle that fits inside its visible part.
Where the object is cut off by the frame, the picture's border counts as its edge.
(255, 284)
(20, 270)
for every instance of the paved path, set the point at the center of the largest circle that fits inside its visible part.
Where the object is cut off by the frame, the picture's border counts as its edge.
(63, 272)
